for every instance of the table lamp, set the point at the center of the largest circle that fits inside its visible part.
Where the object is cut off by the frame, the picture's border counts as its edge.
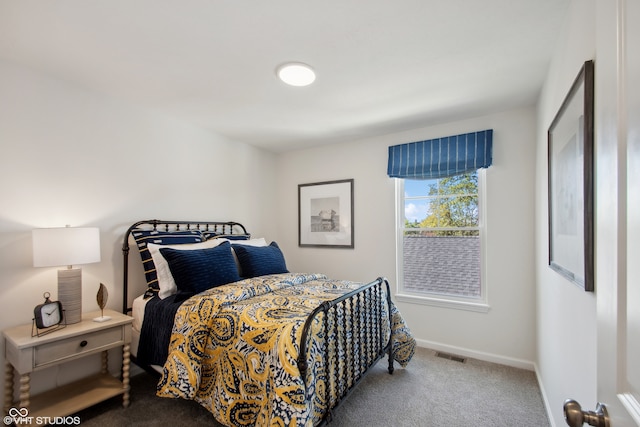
(53, 247)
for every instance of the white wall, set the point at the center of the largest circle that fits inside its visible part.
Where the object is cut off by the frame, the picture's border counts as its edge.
(507, 332)
(69, 156)
(566, 315)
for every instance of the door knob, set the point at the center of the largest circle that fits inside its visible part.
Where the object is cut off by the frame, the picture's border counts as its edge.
(575, 416)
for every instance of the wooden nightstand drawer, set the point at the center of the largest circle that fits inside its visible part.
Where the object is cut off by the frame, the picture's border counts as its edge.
(57, 351)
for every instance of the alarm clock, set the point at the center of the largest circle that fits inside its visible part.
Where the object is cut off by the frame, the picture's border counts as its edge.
(49, 313)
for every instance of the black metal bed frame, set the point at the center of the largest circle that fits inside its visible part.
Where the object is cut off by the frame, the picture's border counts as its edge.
(361, 349)
(223, 227)
(357, 352)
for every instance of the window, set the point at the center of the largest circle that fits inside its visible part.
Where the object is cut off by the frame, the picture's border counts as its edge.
(440, 233)
(440, 237)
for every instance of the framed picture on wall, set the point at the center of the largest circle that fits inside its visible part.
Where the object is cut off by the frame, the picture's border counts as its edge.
(325, 214)
(570, 172)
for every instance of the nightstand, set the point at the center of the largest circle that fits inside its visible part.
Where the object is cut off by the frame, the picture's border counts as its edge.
(26, 354)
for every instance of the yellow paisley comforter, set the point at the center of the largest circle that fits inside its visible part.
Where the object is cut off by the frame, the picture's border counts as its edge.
(234, 349)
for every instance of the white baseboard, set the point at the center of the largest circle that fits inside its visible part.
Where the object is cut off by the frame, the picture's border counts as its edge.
(545, 400)
(135, 370)
(487, 357)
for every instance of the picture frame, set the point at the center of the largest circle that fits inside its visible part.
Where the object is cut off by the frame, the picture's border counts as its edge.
(571, 183)
(325, 214)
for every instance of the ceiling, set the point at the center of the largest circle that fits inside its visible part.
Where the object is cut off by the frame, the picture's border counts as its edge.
(382, 66)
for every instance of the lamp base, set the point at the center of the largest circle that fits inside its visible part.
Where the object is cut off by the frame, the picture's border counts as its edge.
(70, 293)
(102, 319)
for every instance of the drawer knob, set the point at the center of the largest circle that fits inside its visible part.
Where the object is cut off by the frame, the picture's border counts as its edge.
(83, 343)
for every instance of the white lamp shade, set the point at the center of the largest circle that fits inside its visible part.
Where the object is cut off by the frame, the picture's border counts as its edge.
(65, 246)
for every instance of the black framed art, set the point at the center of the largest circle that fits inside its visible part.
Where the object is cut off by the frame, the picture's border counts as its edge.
(571, 181)
(325, 214)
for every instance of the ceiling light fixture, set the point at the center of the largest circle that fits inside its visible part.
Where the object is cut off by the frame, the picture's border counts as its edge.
(296, 74)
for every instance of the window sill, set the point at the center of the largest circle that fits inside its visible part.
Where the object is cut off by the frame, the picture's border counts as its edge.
(478, 306)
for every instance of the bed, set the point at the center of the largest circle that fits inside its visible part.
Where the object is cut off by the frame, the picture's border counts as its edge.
(226, 324)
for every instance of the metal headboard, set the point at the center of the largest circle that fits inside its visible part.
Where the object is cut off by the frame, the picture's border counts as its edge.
(222, 227)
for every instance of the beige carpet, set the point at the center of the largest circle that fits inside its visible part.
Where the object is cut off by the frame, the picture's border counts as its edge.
(431, 391)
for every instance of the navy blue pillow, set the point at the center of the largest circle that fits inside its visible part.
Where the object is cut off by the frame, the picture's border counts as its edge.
(260, 260)
(197, 270)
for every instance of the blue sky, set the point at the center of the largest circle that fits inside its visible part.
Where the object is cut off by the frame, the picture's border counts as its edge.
(416, 210)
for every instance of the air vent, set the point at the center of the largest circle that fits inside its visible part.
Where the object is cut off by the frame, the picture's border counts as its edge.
(450, 357)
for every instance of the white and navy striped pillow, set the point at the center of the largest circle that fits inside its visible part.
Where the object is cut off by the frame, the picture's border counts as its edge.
(143, 237)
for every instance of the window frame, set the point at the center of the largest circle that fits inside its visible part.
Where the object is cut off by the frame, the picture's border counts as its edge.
(480, 304)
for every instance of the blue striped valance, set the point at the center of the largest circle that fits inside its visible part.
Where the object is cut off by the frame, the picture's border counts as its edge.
(441, 157)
